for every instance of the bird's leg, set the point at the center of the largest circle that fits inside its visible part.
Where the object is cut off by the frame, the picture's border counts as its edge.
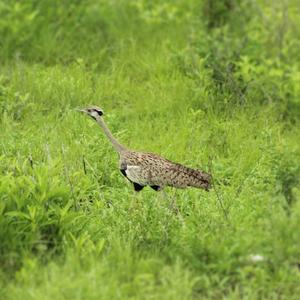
(135, 201)
(172, 200)
(172, 204)
(164, 195)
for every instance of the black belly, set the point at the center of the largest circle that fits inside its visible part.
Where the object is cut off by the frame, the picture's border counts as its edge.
(123, 171)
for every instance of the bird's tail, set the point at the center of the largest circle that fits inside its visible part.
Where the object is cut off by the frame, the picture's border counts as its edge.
(200, 179)
(181, 176)
(204, 180)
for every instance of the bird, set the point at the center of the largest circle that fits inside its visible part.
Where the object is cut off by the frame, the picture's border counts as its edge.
(148, 169)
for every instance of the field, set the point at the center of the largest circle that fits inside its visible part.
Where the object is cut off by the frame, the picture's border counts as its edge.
(214, 85)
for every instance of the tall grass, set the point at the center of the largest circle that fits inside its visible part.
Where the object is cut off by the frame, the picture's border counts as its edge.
(214, 85)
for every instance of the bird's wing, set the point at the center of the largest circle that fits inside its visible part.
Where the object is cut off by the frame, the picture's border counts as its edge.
(163, 172)
(152, 169)
(137, 174)
(182, 176)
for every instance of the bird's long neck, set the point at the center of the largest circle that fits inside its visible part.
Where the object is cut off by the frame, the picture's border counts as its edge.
(118, 147)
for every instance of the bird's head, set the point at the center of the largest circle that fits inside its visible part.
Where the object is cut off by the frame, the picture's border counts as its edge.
(93, 111)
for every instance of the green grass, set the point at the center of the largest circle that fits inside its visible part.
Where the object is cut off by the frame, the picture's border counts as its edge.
(211, 84)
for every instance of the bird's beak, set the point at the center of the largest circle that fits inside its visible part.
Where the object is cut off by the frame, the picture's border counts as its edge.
(81, 110)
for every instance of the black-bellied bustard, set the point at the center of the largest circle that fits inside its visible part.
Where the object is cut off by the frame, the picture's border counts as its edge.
(143, 168)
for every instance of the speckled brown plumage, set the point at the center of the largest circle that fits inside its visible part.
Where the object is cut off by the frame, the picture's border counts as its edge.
(154, 170)
(147, 169)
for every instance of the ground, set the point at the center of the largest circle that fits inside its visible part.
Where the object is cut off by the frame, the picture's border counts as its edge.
(212, 85)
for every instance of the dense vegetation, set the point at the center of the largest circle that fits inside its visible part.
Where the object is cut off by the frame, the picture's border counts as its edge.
(212, 84)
